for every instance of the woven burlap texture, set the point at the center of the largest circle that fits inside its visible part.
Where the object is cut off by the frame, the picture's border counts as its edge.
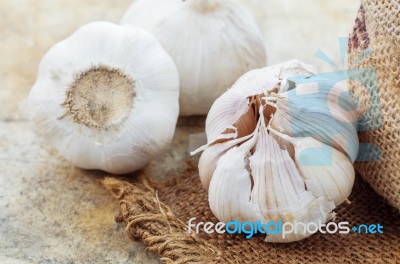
(158, 215)
(377, 30)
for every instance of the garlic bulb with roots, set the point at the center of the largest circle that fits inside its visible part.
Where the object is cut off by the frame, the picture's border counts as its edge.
(213, 42)
(281, 143)
(107, 97)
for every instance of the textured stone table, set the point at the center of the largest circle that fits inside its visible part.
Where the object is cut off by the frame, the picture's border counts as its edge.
(51, 212)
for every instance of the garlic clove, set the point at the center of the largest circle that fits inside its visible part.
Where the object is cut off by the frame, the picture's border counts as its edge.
(334, 178)
(326, 171)
(313, 210)
(230, 188)
(106, 97)
(215, 150)
(279, 190)
(231, 185)
(211, 155)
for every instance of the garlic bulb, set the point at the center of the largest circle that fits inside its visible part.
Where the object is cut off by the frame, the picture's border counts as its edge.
(107, 97)
(213, 42)
(280, 147)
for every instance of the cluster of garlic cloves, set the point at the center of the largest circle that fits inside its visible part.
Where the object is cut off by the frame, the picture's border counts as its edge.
(280, 148)
(212, 42)
(107, 97)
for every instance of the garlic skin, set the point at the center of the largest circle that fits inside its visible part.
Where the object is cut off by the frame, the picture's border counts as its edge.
(273, 150)
(213, 42)
(107, 97)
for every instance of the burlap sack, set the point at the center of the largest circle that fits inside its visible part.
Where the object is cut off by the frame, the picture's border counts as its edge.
(375, 44)
(158, 216)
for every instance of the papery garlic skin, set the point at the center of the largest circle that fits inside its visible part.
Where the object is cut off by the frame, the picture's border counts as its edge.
(107, 97)
(259, 164)
(228, 108)
(213, 42)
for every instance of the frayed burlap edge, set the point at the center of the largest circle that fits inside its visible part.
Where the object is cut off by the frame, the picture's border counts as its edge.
(151, 221)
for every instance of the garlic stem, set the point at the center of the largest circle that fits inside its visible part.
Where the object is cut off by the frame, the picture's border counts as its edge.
(204, 5)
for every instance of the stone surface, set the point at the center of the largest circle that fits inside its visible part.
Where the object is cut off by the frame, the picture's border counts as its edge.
(52, 212)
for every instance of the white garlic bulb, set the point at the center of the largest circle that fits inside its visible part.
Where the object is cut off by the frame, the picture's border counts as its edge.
(280, 148)
(213, 42)
(107, 97)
